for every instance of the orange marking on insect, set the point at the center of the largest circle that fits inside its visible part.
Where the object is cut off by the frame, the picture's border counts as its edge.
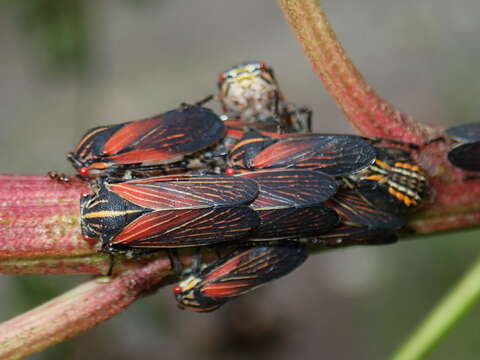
(99, 165)
(246, 142)
(382, 164)
(375, 177)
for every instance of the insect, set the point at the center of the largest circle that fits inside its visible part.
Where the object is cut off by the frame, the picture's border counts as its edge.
(361, 223)
(147, 144)
(169, 211)
(249, 93)
(466, 153)
(59, 177)
(290, 203)
(237, 274)
(394, 183)
(335, 155)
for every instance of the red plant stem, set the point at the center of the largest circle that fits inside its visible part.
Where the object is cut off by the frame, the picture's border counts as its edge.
(40, 230)
(77, 310)
(368, 113)
(455, 201)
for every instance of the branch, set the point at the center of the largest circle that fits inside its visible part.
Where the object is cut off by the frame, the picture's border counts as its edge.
(455, 201)
(40, 230)
(77, 310)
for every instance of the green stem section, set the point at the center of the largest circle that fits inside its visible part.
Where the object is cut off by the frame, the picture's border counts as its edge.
(451, 309)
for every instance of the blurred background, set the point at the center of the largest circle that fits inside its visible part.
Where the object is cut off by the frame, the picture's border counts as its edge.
(68, 66)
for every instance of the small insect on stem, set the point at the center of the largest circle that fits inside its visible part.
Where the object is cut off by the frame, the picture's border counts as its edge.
(156, 143)
(236, 274)
(336, 155)
(60, 177)
(169, 212)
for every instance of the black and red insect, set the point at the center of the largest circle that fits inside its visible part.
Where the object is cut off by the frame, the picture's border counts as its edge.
(466, 152)
(336, 155)
(361, 223)
(290, 203)
(169, 212)
(237, 274)
(393, 183)
(149, 143)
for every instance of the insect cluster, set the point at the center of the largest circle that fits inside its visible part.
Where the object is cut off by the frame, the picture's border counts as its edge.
(253, 183)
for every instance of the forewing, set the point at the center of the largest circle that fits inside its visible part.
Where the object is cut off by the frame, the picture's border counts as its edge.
(177, 192)
(248, 269)
(344, 235)
(165, 137)
(181, 228)
(243, 153)
(466, 156)
(295, 222)
(353, 209)
(291, 187)
(332, 154)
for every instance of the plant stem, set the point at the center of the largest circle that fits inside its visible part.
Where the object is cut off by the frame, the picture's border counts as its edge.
(78, 310)
(368, 113)
(448, 312)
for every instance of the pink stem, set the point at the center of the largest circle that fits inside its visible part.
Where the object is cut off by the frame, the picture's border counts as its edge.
(368, 113)
(455, 201)
(77, 310)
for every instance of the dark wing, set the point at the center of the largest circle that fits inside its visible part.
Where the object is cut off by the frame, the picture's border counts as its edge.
(166, 137)
(295, 222)
(465, 132)
(332, 154)
(90, 147)
(180, 228)
(353, 209)
(291, 187)
(243, 153)
(345, 235)
(177, 192)
(244, 271)
(466, 156)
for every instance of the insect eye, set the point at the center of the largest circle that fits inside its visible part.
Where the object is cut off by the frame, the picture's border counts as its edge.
(263, 66)
(89, 239)
(84, 171)
(221, 77)
(177, 289)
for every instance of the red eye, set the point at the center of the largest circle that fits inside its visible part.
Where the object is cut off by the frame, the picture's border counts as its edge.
(230, 171)
(84, 171)
(177, 289)
(221, 77)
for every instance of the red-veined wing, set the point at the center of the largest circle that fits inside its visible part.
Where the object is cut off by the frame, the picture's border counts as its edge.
(353, 209)
(333, 154)
(164, 137)
(291, 187)
(176, 192)
(295, 222)
(249, 269)
(180, 228)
